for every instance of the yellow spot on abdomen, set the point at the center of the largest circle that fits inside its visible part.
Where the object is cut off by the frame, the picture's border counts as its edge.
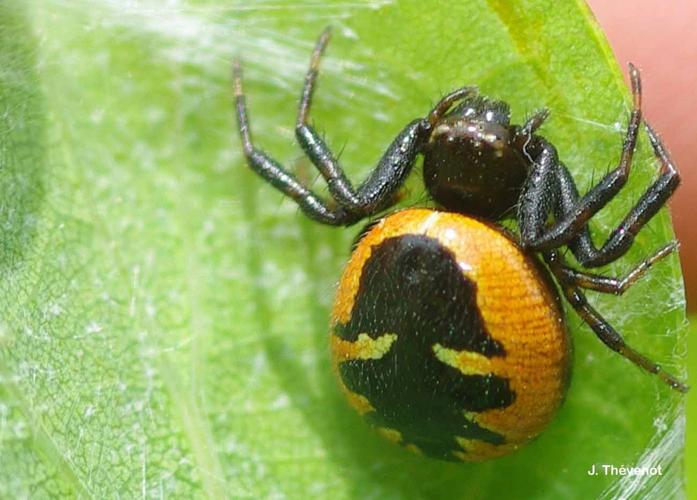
(467, 362)
(365, 347)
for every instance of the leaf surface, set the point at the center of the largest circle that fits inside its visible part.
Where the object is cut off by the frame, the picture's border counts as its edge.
(164, 314)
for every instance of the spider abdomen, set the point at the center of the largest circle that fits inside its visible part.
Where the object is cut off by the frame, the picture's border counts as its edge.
(448, 338)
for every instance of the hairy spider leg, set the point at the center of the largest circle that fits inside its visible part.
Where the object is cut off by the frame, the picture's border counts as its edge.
(273, 173)
(604, 330)
(534, 122)
(613, 285)
(377, 191)
(540, 195)
(621, 239)
(572, 212)
(648, 205)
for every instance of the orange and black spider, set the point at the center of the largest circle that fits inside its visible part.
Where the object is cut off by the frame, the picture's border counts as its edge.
(447, 333)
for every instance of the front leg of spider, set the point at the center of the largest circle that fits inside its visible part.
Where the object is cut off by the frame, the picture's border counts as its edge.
(535, 234)
(540, 192)
(550, 189)
(375, 193)
(534, 122)
(273, 172)
(572, 212)
(621, 239)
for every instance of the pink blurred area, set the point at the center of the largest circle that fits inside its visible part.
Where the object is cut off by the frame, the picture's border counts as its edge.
(661, 39)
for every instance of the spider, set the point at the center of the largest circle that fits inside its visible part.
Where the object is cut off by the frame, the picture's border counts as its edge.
(477, 164)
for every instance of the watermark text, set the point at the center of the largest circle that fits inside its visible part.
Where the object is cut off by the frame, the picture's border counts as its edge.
(623, 470)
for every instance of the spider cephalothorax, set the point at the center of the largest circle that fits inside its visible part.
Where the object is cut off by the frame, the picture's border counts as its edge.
(474, 161)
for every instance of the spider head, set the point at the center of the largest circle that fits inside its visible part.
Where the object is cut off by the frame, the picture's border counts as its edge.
(482, 110)
(470, 162)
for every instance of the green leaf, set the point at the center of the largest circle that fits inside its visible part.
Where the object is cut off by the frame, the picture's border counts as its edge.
(691, 438)
(164, 313)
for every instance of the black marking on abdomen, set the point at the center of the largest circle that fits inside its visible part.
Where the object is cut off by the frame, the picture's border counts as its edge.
(412, 286)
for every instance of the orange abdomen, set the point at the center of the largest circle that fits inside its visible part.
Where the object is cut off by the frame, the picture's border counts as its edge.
(448, 338)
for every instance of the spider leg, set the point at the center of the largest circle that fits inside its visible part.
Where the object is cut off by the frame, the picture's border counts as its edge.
(604, 331)
(648, 205)
(446, 102)
(311, 204)
(540, 193)
(567, 226)
(609, 284)
(622, 237)
(534, 122)
(311, 78)
(379, 188)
